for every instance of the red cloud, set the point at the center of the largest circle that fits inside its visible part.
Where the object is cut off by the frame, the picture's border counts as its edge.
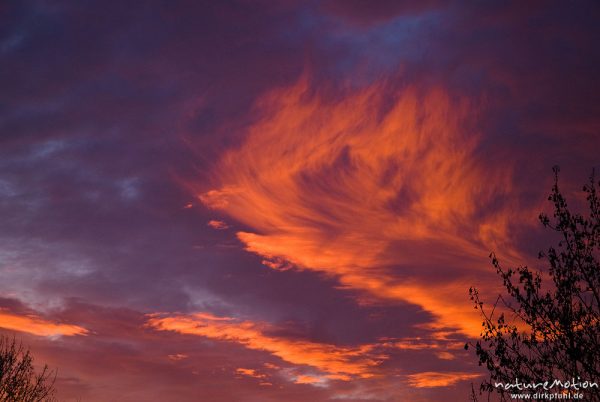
(343, 362)
(352, 186)
(36, 325)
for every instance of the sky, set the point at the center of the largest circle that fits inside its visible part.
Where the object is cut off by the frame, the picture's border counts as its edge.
(255, 201)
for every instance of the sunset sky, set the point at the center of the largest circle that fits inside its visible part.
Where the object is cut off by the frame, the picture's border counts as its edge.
(279, 201)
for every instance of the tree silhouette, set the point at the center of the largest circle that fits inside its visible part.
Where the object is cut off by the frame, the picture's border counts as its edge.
(547, 326)
(18, 380)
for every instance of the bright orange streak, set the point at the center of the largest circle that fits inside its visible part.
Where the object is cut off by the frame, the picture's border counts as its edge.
(432, 379)
(308, 379)
(250, 373)
(342, 361)
(219, 225)
(352, 187)
(38, 326)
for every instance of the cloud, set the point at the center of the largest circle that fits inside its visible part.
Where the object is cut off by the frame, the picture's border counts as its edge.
(36, 325)
(432, 379)
(445, 356)
(358, 362)
(97, 93)
(367, 185)
(250, 373)
(177, 356)
(219, 225)
(315, 363)
(308, 379)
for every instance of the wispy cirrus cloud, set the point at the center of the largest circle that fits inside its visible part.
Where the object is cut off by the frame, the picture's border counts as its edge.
(316, 363)
(360, 185)
(338, 361)
(37, 325)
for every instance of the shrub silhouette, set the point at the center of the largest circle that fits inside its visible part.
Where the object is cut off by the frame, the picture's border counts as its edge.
(18, 380)
(547, 326)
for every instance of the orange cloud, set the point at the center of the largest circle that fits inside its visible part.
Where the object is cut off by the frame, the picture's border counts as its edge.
(219, 225)
(358, 362)
(308, 379)
(37, 326)
(431, 379)
(250, 373)
(177, 356)
(444, 349)
(354, 186)
(445, 355)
